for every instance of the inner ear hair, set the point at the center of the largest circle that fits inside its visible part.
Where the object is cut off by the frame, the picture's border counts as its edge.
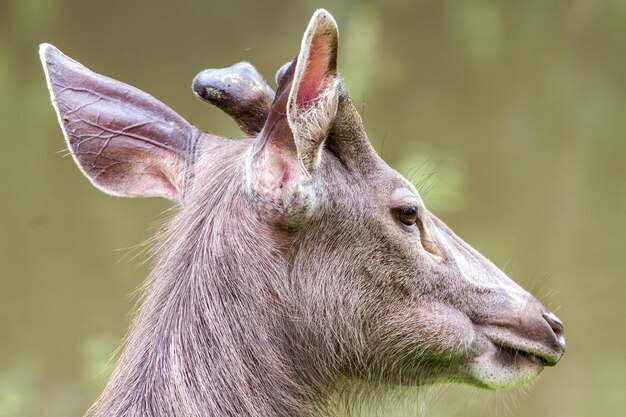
(311, 125)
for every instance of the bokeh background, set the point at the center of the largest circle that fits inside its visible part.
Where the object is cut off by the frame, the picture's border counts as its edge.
(510, 115)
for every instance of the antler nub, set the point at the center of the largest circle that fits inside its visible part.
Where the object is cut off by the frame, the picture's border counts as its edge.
(240, 91)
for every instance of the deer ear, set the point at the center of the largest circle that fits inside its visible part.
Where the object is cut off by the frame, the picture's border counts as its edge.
(125, 141)
(314, 94)
(288, 148)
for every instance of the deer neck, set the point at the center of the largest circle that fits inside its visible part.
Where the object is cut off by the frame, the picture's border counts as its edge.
(207, 339)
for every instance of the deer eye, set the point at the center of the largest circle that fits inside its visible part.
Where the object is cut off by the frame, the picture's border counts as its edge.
(408, 215)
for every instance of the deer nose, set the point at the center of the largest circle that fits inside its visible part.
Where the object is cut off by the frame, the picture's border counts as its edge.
(557, 328)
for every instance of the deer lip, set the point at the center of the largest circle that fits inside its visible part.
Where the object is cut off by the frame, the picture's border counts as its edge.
(529, 356)
(540, 359)
(512, 346)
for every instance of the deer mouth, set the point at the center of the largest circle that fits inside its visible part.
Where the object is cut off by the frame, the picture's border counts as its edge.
(515, 353)
(511, 363)
(542, 351)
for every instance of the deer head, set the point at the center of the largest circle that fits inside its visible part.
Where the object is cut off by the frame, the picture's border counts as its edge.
(298, 256)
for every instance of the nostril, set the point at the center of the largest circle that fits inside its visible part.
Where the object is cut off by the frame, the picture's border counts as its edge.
(557, 327)
(554, 322)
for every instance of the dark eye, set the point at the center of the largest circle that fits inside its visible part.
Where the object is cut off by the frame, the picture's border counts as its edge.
(408, 215)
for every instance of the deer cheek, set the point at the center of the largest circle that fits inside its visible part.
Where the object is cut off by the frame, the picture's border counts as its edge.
(438, 329)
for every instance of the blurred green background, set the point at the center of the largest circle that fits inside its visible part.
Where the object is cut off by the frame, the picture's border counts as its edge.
(518, 108)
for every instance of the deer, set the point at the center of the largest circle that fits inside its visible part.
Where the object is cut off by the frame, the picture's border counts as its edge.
(297, 259)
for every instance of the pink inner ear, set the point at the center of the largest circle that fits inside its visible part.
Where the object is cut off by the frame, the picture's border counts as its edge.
(315, 74)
